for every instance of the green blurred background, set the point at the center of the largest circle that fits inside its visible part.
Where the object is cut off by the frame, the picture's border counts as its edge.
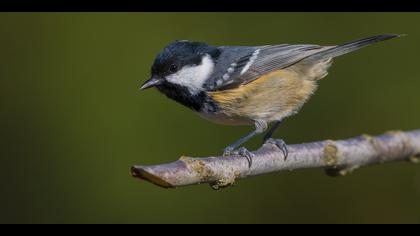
(73, 120)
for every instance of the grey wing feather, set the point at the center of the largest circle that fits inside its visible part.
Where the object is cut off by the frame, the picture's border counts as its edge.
(231, 58)
(242, 65)
(259, 61)
(278, 57)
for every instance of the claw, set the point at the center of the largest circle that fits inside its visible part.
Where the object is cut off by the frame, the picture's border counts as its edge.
(247, 154)
(242, 152)
(280, 144)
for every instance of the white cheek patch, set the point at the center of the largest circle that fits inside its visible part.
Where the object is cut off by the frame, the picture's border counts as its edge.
(193, 77)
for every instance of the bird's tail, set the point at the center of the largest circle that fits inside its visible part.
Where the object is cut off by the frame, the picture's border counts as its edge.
(348, 47)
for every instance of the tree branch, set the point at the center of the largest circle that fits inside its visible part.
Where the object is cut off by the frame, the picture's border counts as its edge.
(336, 157)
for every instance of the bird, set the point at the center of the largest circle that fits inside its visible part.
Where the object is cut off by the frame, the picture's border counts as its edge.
(246, 85)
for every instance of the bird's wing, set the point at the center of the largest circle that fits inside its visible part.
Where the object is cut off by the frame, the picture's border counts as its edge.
(260, 61)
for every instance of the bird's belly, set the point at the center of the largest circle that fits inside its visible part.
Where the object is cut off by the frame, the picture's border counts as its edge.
(271, 97)
(221, 118)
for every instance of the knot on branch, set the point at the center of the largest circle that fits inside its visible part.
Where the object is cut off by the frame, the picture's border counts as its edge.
(205, 174)
(332, 158)
(415, 159)
(331, 154)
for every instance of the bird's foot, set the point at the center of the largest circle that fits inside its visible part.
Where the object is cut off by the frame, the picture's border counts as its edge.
(242, 151)
(280, 144)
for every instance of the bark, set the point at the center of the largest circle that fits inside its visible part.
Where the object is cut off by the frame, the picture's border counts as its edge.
(337, 157)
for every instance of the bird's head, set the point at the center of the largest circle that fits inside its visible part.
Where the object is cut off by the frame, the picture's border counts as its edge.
(183, 63)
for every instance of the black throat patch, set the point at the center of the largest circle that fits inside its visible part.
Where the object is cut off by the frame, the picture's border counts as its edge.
(200, 102)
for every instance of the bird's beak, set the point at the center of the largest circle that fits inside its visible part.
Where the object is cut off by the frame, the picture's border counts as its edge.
(151, 83)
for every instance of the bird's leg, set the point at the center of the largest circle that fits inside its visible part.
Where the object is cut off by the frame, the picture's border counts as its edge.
(260, 127)
(271, 131)
(277, 142)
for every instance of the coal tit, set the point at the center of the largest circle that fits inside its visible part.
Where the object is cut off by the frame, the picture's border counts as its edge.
(246, 85)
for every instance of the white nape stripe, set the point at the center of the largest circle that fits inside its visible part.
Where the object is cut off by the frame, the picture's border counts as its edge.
(193, 77)
(251, 60)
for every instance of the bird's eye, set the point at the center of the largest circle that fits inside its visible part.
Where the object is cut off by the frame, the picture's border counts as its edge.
(173, 68)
